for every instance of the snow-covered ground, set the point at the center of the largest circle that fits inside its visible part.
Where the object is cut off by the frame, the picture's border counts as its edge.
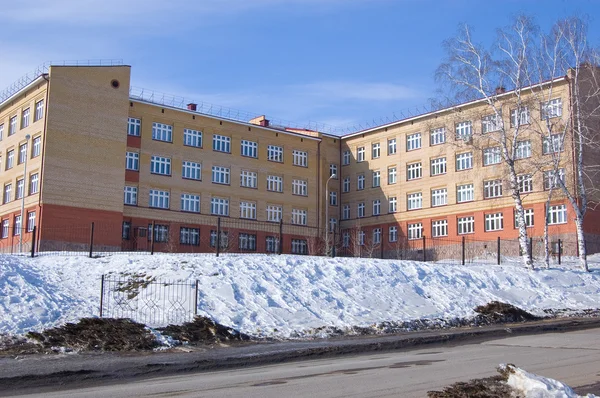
(281, 295)
(534, 386)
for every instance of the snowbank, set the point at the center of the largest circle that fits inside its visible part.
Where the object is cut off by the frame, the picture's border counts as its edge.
(533, 386)
(280, 295)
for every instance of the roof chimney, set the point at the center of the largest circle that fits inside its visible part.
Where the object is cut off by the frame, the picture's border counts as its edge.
(192, 107)
(260, 121)
(500, 90)
(264, 122)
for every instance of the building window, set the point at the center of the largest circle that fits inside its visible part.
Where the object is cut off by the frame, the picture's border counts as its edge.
(126, 230)
(494, 222)
(375, 150)
(5, 228)
(465, 193)
(10, 159)
(223, 239)
(333, 198)
(361, 210)
(192, 138)
(528, 213)
(525, 183)
(332, 224)
(162, 132)
(553, 178)
(361, 238)
(134, 127)
(191, 170)
(553, 144)
(346, 158)
(360, 182)
(552, 108)
(523, 149)
(20, 189)
(439, 197)
(491, 156)
(39, 110)
(132, 161)
(221, 143)
(391, 146)
(346, 184)
(37, 147)
(360, 154)
(299, 158)
(300, 187)
(414, 171)
(346, 240)
(34, 183)
(275, 153)
(248, 210)
(376, 207)
(377, 236)
(22, 153)
(393, 234)
(221, 175)
(492, 189)
(464, 130)
(414, 201)
(464, 161)
(519, 116)
(219, 206)
(392, 204)
(439, 228)
(247, 242)
(346, 212)
(7, 193)
(25, 118)
(437, 136)
(413, 141)
(275, 183)
(274, 213)
(466, 225)
(376, 179)
(159, 199)
(248, 179)
(17, 229)
(299, 217)
(557, 214)
(12, 125)
(438, 166)
(190, 203)
(392, 175)
(299, 246)
(1, 131)
(491, 123)
(272, 244)
(189, 236)
(333, 171)
(160, 165)
(415, 231)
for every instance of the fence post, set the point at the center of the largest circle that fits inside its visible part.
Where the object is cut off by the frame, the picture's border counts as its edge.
(218, 235)
(333, 244)
(424, 255)
(463, 251)
(33, 242)
(498, 250)
(280, 248)
(101, 295)
(152, 239)
(91, 240)
(196, 300)
(530, 249)
(559, 250)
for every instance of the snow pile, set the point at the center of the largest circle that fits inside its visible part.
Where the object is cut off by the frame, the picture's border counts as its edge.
(533, 386)
(282, 296)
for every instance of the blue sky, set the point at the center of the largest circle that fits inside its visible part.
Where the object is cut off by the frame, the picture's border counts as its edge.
(343, 63)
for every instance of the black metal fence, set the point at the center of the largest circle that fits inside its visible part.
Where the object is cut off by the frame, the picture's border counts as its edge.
(148, 300)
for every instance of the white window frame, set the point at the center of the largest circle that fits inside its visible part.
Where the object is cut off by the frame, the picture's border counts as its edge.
(492, 189)
(39, 110)
(30, 221)
(414, 201)
(25, 118)
(557, 214)
(275, 153)
(300, 158)
(248, 179)
(10, 159)
(494, 222)
(551, 109)
(346, 158)
(333, 198)
(439, 197)
(392, 204)
(219, 206)
(360, 210)
(299, 187)
(346, 212)
(553, 144)
(464, 130)
(134, 127)
(491, 123)
(464, 161)
(392, 175)
(393, 234)
(552, 177)
(376, 178)
(466, 225)
(525, 183)
(375, 150)
(274, 213)
(221, 143)
(159, 199)
(274, 183)
(360, 154)
(360, 182)
(37, 147)
(392, 146)
(415, 231)
(413, 141)
(414, 171)
(439, 228)
(523, 149)
(160, 165)
(221, 175)
(12, 125)
(7, 193)
(132, 161)
(529, 218)
(34, 183)
(299, 216)
(346, 185)
(438, 166)
(437, 136)
(192, 138)
(22, 153)
(465, 193)
(492, 155)
(248, 210)
(191, 170)
(523, 116)
(190, 203)
(376, 207)
(333, 171)
(162, 132)
(376, 236)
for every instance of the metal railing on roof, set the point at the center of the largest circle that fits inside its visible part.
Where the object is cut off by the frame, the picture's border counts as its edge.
(25, 80)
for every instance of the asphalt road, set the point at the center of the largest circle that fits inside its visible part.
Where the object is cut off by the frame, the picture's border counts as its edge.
(572, 357)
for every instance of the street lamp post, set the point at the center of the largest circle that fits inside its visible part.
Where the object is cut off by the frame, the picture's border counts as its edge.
(327, 214)
(27, 137)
